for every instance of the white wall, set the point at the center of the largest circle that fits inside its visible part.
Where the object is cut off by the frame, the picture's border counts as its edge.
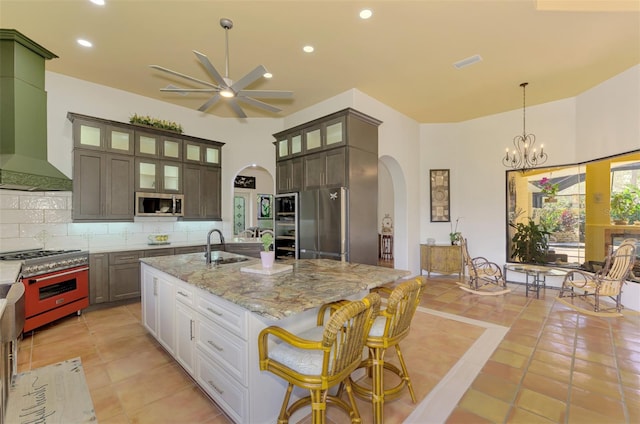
(607, 120)
(599, 122)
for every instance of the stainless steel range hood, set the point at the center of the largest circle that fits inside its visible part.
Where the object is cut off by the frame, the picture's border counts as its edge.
(23, 117)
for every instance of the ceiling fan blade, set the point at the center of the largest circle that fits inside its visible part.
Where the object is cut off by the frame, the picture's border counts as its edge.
(249, 78)
(209, 102)
(210, 68)
(259, 104)
(178, 74)
(174, 89)
(236, 108)
(264, 94)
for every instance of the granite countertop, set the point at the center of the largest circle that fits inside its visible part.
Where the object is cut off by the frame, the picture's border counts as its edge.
(311, 282)
(146, 246)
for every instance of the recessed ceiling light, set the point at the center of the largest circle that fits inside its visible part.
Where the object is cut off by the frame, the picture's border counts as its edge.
(308, 49)
(98, 2)
(84, 43)
(365, 13)
(267, 75)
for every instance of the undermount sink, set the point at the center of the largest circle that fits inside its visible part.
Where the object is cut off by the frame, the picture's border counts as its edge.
(224, 261)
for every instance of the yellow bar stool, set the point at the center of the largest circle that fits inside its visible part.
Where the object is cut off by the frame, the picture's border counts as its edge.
(320, 358)
(390, 327)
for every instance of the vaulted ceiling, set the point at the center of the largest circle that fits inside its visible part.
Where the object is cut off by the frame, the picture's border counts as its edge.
(402, 56)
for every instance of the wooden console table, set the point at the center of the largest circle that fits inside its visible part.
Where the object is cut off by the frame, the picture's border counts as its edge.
(443, 259)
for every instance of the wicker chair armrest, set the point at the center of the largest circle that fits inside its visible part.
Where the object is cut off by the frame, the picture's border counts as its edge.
(484, 264)
(584, 278)
(286, 337)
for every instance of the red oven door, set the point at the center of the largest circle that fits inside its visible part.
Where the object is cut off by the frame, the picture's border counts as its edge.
(55, 295)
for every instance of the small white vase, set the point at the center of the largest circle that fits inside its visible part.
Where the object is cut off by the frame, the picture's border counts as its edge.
(267, 258)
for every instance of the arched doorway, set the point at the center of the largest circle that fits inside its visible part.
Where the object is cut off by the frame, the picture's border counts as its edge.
(392, 200)
(253, 187)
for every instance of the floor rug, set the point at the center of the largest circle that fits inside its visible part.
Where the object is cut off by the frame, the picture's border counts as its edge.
(53, 394)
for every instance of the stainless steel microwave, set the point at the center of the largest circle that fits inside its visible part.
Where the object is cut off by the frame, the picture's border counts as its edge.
(159, 204)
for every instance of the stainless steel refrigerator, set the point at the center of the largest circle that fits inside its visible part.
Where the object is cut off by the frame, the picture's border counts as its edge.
(323, 224)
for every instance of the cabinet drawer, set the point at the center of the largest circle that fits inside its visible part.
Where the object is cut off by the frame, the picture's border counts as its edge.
(228, 393)
(224, 347)
(189, 249)
(185, 294)
(158, 252)
(124, 257)
(224, 315)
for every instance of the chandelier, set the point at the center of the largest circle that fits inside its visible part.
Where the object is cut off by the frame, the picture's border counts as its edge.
(524, 155)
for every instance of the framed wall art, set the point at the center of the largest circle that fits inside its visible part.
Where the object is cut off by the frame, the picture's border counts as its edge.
(439, 195)
(243, 181)
(264, 206)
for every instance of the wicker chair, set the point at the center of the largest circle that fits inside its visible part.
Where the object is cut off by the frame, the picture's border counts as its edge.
(320, 358)
(390, 327)
(485, 277)
(607, 282)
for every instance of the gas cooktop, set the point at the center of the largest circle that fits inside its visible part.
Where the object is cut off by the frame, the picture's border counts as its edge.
(23, 255)
(41, 261)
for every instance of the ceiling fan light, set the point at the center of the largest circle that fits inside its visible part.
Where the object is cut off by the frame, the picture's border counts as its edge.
(365, 13)
(227, 93)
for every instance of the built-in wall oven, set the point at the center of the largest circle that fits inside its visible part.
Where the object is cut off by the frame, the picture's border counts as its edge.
(56, 284)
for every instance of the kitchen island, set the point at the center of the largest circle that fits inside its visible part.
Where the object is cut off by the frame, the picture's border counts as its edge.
(209, 316)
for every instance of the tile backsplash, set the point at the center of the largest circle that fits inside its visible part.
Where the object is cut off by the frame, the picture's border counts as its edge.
(43, 220)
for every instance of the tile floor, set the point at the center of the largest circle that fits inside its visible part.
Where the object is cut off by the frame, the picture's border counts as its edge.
(552, 365)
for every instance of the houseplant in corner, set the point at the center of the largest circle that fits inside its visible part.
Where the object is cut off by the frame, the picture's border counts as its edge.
(267, 255)
(529, 243)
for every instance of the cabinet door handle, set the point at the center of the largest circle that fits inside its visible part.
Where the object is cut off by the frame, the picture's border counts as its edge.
(215, 346)
(213, 311)
(182, 294)
(191, 329)
(155, 286)
(215, 387)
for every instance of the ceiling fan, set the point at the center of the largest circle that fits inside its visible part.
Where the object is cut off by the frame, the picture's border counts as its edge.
(232, 91)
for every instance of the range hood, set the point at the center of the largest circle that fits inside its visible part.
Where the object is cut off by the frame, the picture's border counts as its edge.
(23, 117)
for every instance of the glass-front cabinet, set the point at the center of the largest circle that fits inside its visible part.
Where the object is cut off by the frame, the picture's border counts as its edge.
(105, 137)
(158, 146)
(325, 135)
(158, 176)
(201, 153)
(290, 145)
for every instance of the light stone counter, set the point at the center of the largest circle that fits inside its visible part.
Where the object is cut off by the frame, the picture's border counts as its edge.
(146, 246)
(311, 283)
(9, 271)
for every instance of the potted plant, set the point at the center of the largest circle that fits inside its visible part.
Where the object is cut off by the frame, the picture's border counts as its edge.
(624, 204)
(455, 235)
(530, 243)
(549, 189)
(267, 255)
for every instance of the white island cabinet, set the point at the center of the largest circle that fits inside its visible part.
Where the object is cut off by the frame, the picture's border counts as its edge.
(208, 318)
(215, 342)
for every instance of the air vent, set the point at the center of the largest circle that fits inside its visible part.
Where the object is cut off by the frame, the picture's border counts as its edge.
(468, 61)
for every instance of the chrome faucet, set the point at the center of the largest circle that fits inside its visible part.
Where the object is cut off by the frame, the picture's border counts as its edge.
(208, 254)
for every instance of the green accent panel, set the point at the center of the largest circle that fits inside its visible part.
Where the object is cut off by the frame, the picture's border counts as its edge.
(23, 116)
(11, 179)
